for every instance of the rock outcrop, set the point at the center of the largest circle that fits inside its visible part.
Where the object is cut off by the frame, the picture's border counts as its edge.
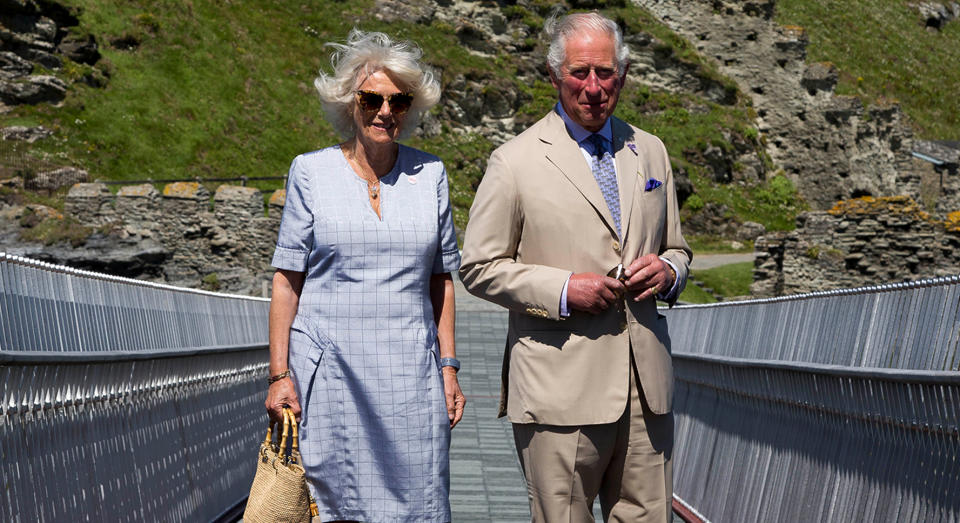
(936, 14)
(489, 106)
(832, 147)
(36, 36)
(174, 236)
(859, 242)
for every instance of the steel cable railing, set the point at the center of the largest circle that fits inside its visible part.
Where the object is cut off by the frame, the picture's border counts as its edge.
(828, 406)
(125, 400)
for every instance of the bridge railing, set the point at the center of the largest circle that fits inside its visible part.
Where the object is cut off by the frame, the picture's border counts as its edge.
(829, 406)
(125, 400)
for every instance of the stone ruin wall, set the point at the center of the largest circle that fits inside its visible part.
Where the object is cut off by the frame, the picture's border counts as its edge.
(226, 245)
(859, 242)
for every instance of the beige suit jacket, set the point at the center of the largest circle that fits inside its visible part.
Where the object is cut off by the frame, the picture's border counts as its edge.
(538, 217)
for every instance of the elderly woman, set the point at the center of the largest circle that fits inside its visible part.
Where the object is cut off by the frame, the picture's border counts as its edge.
(362, 315)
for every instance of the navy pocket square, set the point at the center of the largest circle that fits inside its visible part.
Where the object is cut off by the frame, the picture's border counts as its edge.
(652, 184)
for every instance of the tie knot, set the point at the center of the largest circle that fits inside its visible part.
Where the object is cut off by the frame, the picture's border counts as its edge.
(597, 142)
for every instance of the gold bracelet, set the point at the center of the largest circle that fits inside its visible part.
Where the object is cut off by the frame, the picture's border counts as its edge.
(273, 379)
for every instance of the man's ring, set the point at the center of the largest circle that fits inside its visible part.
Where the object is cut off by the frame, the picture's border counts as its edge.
(656, 288)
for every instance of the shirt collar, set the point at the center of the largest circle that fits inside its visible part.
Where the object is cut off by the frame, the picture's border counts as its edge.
(579, 133)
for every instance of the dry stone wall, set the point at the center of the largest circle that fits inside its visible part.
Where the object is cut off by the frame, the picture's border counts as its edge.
(225, 243)
(858, 242)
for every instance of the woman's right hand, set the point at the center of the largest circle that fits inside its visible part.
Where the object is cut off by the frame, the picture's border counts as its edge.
(282, 394)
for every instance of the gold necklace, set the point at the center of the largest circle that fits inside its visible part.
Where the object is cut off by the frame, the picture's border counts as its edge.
(372, 187)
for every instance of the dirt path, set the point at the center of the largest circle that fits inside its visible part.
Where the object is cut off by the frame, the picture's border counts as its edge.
(709, 261)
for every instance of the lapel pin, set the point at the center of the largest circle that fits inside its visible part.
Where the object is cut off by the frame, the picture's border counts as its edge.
(633, 147)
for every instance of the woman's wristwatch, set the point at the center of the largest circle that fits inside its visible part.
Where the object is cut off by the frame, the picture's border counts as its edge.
(450, 362)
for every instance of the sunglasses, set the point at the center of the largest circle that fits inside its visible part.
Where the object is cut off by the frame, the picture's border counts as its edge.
(372, 101)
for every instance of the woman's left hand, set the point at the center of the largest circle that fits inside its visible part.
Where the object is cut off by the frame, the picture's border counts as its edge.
(453, 395)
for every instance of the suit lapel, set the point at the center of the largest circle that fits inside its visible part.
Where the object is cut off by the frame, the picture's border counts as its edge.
(563, 152)
(627, 174)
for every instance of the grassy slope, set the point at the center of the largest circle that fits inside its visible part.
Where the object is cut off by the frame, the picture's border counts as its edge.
(694, 294)
(726, 280)
(885, 53)
(219, 90)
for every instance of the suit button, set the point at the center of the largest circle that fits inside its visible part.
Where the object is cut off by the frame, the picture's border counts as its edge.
(616, 246)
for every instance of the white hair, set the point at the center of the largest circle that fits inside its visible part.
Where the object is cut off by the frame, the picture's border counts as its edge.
(560, 29)
(364, 54)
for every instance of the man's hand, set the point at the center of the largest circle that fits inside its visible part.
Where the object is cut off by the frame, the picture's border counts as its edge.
(592, 293)
(280, 394)
(453, 395)
(649, 275)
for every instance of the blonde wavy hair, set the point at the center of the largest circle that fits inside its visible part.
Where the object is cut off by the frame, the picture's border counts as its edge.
(363, 54)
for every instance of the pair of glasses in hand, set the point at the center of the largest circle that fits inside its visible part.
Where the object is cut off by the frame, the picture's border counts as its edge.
(618, 273)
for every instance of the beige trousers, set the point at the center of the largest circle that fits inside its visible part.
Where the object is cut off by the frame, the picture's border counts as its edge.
(627, 463)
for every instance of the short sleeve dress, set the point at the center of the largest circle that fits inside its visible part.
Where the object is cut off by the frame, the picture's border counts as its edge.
(374, 433)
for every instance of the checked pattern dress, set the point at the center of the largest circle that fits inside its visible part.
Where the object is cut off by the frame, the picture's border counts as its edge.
(606, 176)
(374, 432)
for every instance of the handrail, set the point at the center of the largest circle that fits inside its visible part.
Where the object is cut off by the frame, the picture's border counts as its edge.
(868, 289)
(54, 268)
(72, 357)
(929, 377)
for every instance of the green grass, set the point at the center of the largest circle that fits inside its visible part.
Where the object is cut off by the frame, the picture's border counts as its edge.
(694, 294)
(886, 54)
(688, 124)
(217, 90)
(50, 231)
(773, 203)
(727, 280)
(224, 91)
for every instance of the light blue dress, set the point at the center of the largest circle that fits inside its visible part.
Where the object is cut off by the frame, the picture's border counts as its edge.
(374, 430)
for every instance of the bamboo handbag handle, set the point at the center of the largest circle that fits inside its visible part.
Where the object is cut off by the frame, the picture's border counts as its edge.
(268, 441)
(287, 416)
(296, 437)
(289, 420)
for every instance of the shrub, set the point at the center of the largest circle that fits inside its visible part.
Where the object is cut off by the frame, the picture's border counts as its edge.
(694, 203)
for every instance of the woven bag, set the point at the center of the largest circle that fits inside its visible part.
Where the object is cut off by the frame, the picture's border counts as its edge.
(279, 491)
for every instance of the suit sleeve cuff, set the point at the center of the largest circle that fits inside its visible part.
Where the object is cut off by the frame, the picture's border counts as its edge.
(673, 289)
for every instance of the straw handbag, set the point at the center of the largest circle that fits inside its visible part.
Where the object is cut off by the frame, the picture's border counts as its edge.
(279, 491)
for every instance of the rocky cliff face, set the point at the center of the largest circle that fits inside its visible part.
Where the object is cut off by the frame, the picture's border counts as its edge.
(36, 36)
(483, 105)
(176, 236)
(831, 146)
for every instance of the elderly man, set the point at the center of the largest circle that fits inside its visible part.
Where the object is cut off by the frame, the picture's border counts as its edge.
(575, 229)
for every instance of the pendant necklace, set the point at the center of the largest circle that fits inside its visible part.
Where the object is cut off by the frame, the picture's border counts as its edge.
(374, 189)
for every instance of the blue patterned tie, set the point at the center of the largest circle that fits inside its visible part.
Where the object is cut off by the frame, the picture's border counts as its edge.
(606, 175)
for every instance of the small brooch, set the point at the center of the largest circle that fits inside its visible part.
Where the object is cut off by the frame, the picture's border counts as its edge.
(652, 184)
